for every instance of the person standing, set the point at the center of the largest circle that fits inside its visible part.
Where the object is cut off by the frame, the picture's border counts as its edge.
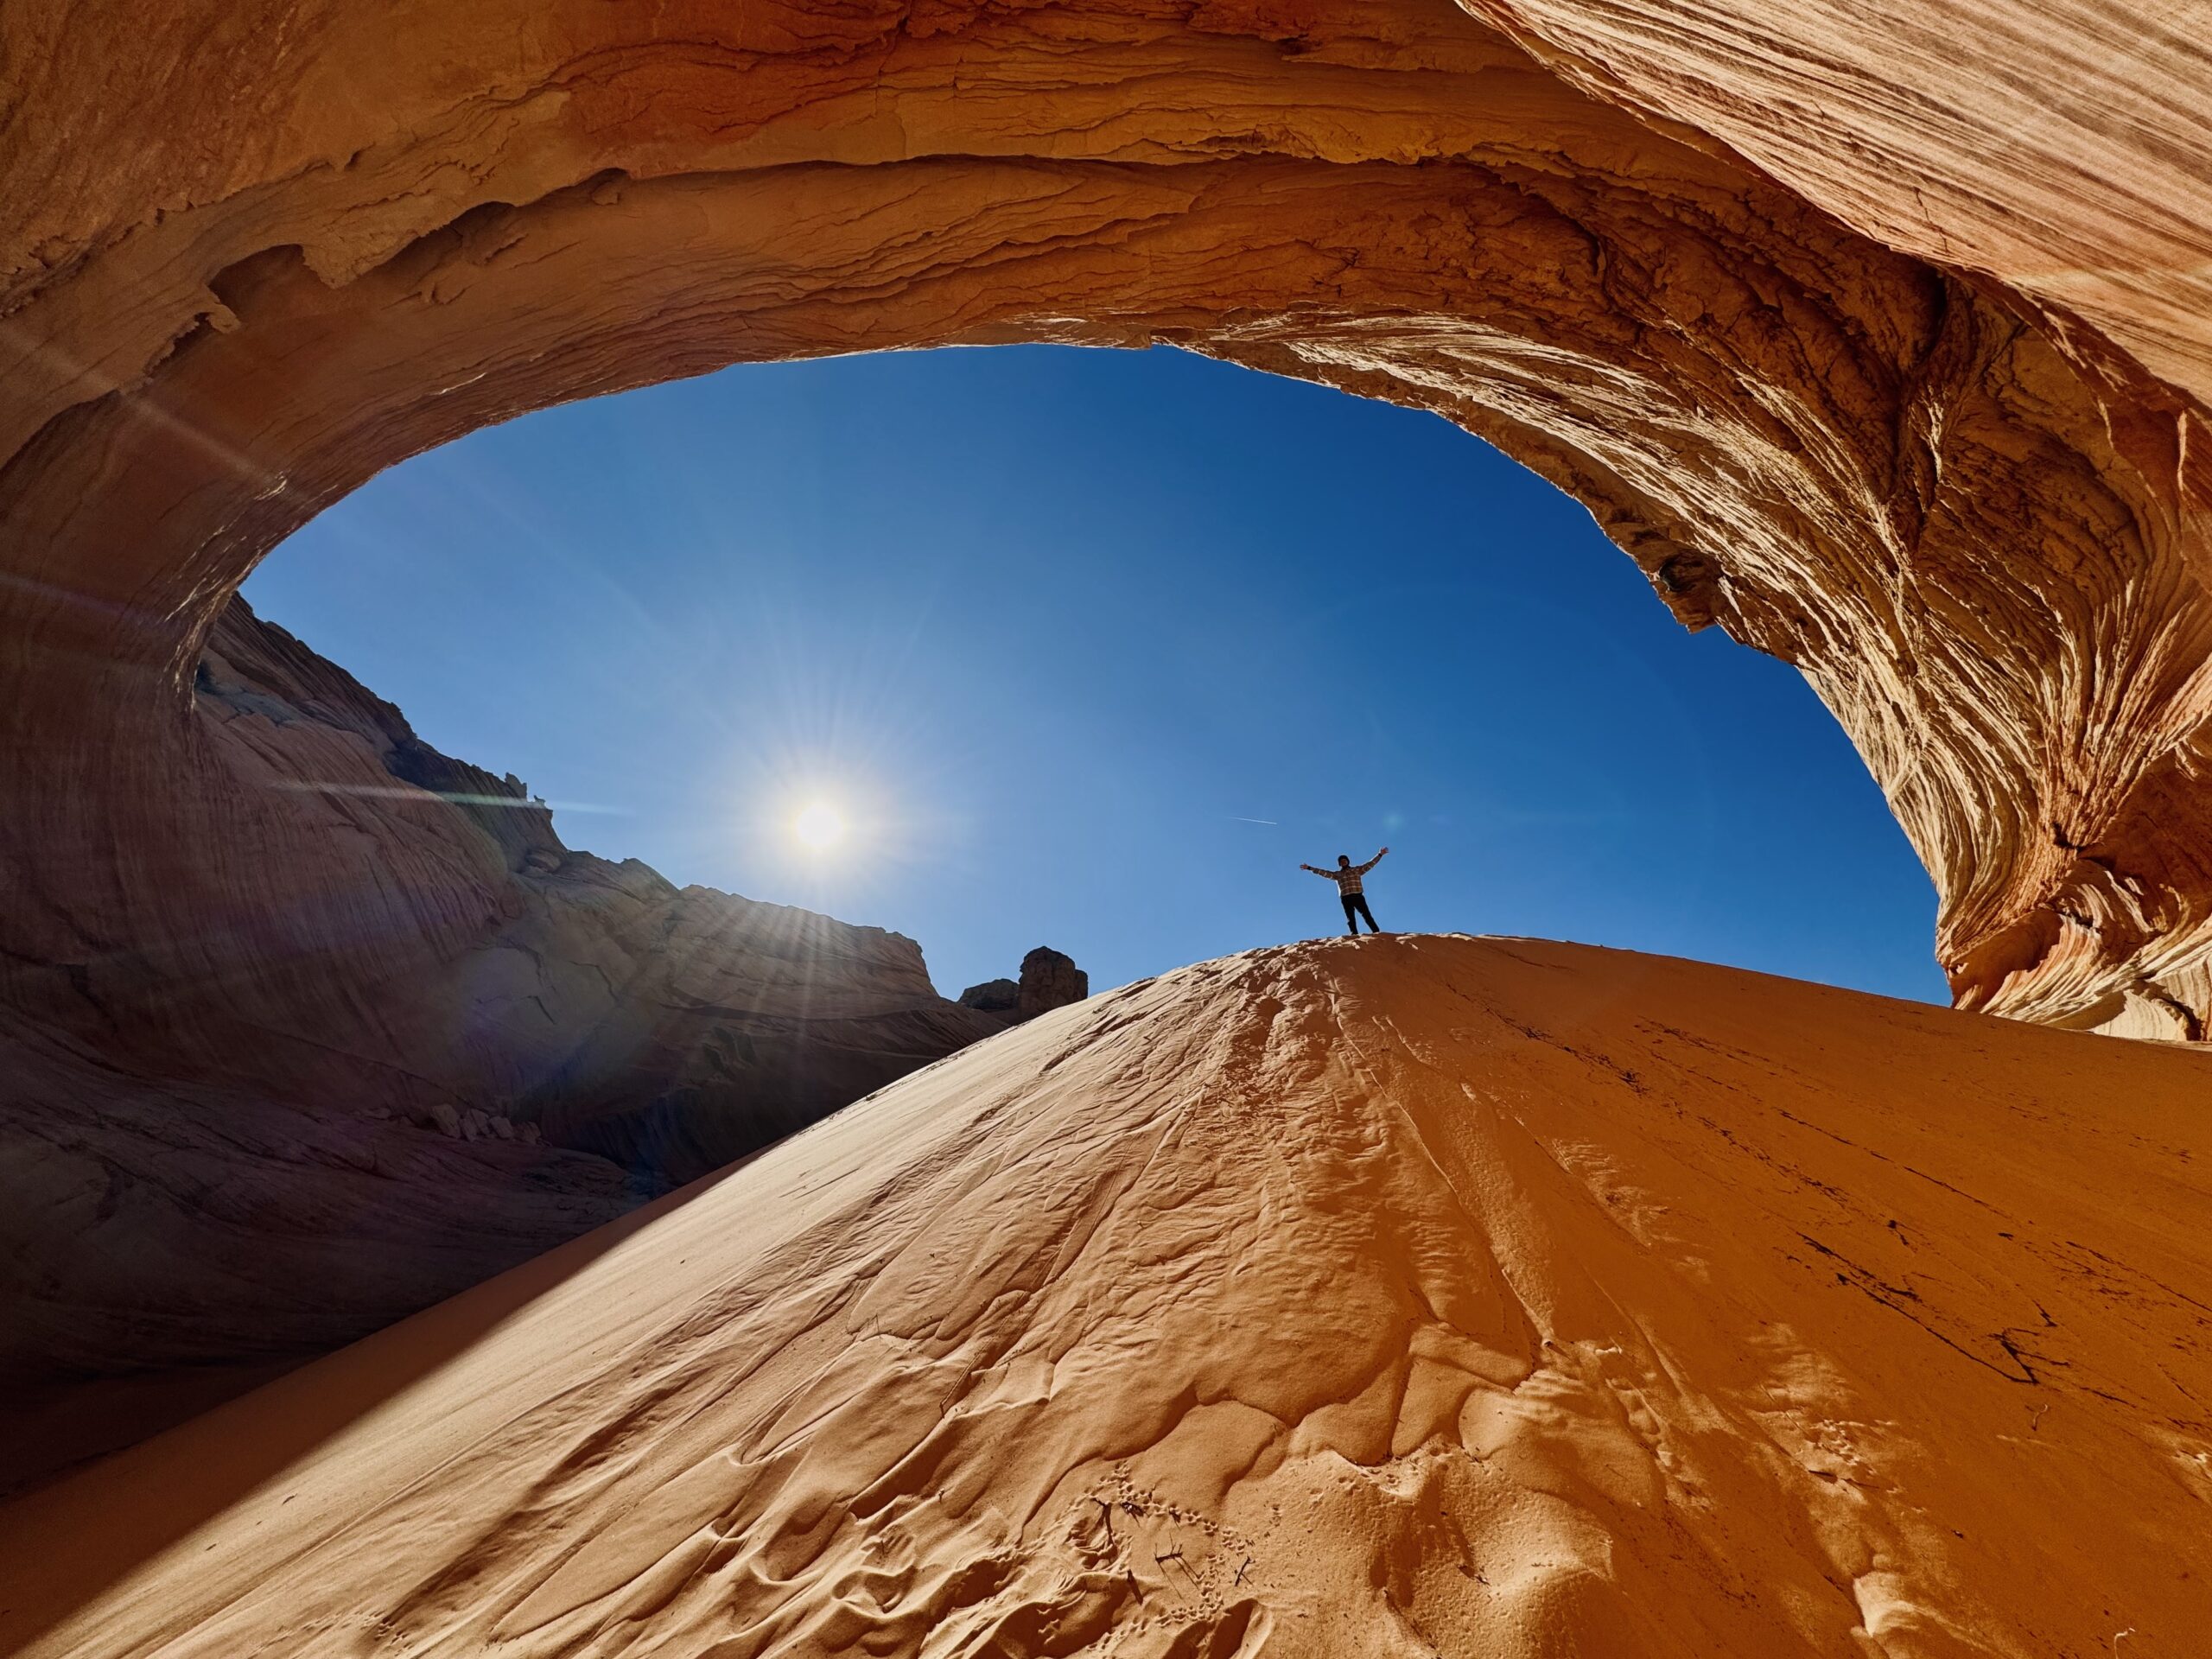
(1347, 876)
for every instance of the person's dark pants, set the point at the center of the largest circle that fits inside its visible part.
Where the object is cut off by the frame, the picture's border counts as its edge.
(1354, 907)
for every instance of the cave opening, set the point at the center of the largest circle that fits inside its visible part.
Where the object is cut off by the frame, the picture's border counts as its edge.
(1100, 646)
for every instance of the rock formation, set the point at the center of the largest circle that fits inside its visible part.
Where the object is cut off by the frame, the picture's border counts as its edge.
(1049, 980)
(668, 1030)
(1409, 1295)
(165, 1244)
(224, 1152)
(2059, 149)
(999, 996)
(1876, 335)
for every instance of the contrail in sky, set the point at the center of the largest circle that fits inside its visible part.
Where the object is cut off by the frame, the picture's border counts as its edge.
(1270, 822)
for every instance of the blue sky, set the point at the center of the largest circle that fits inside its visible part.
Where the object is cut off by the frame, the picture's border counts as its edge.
(1093, 649)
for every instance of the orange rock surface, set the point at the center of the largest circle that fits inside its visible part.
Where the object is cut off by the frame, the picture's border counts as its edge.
(1876, 335)
(2059, 147)
(1415, 1295)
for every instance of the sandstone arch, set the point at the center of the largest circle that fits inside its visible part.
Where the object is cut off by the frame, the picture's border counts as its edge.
(254, 250)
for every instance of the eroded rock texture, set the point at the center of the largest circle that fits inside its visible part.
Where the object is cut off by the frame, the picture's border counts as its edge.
(1344, 1300)
(667, 1029)
(225, 1151)
(1874, 337)
(2060, 147)
(1049, 980)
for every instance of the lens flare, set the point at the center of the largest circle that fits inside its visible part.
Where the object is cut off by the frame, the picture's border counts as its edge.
(819, 826)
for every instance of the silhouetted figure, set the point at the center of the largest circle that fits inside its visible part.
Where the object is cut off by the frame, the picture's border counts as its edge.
(1347, 876)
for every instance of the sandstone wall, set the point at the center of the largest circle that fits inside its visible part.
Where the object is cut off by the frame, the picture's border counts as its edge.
(223, 1152)
(668, 1029)
(1873, 336)
(2060, 147)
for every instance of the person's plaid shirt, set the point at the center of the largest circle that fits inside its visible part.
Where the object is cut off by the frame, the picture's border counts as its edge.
(1348, 879)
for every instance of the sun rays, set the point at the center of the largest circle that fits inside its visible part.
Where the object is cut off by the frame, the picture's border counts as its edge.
(820, 827)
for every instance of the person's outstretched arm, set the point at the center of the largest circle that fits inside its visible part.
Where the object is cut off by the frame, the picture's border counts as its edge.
(1373, 861)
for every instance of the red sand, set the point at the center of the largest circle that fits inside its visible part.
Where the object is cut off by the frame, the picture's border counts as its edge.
(1417, 1295)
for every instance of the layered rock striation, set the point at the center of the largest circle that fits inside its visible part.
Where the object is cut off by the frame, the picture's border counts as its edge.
(1876, 337)
(230, 1148)
(2058, 148)
(669, 1030)
(1403, 1295)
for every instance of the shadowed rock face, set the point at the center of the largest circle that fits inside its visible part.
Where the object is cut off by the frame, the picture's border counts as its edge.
(1050, 979)
(1000, 996)
(224, 1155)
(668, 1030)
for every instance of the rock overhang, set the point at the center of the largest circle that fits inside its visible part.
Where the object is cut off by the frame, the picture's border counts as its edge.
(1940, 480)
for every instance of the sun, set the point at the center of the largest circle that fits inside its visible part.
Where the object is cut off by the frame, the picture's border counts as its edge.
(819, 826)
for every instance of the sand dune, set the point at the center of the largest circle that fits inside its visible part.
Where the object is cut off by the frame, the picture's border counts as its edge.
(1411, 1296)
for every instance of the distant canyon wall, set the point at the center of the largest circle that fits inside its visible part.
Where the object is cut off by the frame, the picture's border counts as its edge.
(491, 971)
(413, 1039)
